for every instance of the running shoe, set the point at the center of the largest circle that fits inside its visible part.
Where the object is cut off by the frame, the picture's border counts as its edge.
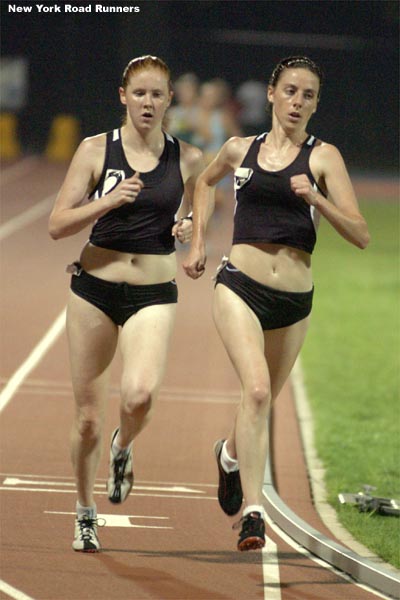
(86, 539)
(120, 479)
(230, 495)
(252, 535)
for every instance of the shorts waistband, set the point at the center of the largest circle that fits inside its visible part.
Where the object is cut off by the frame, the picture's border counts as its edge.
(77, 270)
(287, 294)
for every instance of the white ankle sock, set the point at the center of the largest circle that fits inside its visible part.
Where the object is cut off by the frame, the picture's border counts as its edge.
(254, 508)
(86, 510)
(116, 448)
(228, 464)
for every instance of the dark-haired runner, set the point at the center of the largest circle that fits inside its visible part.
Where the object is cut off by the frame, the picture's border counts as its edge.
(284, 180)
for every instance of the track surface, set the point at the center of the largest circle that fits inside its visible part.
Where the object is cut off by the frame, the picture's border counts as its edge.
(170, 540)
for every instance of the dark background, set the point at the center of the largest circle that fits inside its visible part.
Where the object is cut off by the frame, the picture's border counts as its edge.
(76, 61)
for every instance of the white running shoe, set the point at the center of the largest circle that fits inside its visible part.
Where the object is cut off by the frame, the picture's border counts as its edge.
(120, 480)
(86, 539)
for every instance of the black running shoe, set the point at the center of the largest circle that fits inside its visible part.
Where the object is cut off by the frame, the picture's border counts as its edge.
(252, 535)
(230, 495)
(120, 479)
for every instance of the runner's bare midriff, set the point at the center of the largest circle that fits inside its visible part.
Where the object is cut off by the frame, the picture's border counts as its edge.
(135, 269)
(277, 266)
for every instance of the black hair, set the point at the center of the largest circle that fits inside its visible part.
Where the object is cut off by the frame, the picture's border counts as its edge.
(297, 62)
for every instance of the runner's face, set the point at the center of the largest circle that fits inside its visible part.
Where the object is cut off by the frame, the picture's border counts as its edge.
(146, 98)
(294, 97)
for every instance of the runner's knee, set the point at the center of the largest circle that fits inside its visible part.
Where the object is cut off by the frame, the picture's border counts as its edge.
(257, 398)
(136, 399)
(89, 426)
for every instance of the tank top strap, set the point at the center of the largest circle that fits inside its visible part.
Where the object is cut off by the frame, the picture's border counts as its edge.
(117, 153)
(303, 157)
(252, 152)
(302, 162)
(308, 145)
(108, 152)
(112, 138)
(173, 146)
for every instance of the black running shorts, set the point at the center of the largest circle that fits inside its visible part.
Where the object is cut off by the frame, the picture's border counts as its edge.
(274, 308)
(119, 301)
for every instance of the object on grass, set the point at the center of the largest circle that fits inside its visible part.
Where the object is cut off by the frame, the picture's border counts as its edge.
(366, 502)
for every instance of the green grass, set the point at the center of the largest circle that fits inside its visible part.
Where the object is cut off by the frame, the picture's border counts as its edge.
(351, 367)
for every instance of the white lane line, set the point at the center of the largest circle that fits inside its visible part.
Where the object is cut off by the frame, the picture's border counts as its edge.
(33, 360)
(120, 520)
(58, 512)
(303, 551)
(104, 479)
(270, 568)
(12, 592)
(27, 217)
(16, 481)
(32, 490)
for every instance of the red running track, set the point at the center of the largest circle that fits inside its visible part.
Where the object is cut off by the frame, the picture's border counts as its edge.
(169, 540)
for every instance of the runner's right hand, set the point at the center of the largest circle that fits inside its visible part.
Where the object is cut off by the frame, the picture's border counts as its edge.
(126, 191)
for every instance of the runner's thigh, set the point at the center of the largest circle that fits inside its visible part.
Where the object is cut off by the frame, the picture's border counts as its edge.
(241, 333)
(282, 346)
(92, 340)
(144, 343)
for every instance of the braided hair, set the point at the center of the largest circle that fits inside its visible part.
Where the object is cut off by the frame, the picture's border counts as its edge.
(296, 62)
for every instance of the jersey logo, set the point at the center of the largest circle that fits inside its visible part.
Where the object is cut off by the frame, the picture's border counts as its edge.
(112, 179)
(242, 176)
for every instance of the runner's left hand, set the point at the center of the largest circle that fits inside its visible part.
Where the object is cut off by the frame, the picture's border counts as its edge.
(182, 230)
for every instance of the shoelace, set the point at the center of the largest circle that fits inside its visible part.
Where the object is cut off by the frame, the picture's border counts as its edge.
(86, 526)
(119, 468)
(251, 520)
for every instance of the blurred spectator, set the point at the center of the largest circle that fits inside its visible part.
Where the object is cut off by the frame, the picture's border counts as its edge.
(182, 116)
(216, 117)
(216, 123)
(253, 101)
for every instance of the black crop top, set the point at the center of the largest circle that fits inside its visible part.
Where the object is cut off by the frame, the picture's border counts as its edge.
(145, 225)
(267, 211)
